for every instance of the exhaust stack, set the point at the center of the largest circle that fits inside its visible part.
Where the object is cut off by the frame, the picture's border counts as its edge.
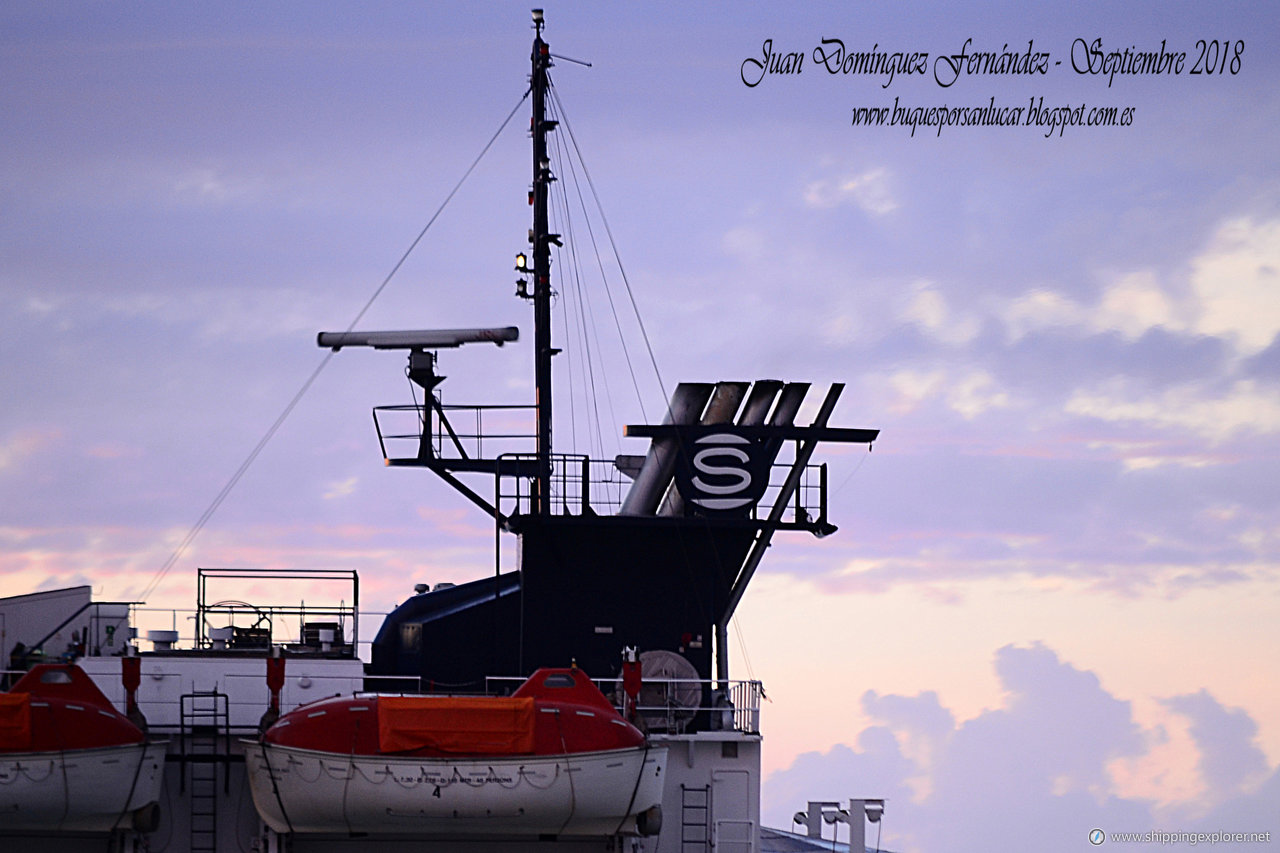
(687, 403)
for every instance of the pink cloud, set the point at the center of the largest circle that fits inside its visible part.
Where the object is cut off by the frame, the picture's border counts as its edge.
(1033, 774)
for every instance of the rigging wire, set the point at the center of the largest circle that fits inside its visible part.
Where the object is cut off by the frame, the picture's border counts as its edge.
(588, 327)
(562, 222)
(855, 470)
(564, 119)
(599, 207)
(585, 325)
(297, 397)
(573, 414)
(585, 321)
(742, 647)
(563, 155)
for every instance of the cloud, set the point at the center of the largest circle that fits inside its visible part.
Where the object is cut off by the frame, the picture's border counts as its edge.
(928, 310)
(1040, 309)
(1217, 415)
(1237, 283)
(1230, 761)
(869, 191)
(341, 488)
(968, 393)
(1035, 774)
(1193, 460)
(213, 186)
(1232, 293)
(1134, 305)
(1131, 305)
(23, 444)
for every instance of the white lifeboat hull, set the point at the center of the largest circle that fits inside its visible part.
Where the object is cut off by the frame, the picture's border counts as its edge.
(581, 794)
(79, 790)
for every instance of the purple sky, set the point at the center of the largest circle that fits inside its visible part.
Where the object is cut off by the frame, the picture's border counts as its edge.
(1055, 589)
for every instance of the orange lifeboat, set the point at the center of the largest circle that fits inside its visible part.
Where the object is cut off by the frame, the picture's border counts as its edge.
(553, 759)
(69, 761)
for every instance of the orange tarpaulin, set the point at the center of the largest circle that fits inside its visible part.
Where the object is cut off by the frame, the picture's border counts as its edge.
(15, 720)
(456, 725)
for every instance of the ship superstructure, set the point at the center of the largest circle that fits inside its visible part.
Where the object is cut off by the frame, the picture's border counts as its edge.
(634, 587)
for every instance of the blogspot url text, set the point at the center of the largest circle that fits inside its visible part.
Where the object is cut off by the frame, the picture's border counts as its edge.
(1051, 119)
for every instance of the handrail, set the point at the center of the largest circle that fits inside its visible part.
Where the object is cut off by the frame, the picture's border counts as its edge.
(26, 652)
(794, 498)
(736, 708)
(266, 614)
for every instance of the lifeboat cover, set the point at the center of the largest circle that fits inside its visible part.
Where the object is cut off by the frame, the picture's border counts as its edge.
(58, 707)
(15, 721)
(460, 725)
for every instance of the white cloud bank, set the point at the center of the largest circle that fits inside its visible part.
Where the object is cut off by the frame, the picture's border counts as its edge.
(1062, 757)
(1237, 284)
(1245, 407)
(1232, 292)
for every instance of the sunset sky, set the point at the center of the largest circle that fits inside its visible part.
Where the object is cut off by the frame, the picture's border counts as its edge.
(1052, 604)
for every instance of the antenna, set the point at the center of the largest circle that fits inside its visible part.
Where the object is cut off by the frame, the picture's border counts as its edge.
(419, 339)
(541, 238)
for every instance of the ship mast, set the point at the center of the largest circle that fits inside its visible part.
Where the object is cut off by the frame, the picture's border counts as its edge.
(698, 516)
(541, 238)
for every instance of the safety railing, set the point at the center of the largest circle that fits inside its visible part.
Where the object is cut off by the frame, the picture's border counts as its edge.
(677, 705)
(500, 439)
(453, 431)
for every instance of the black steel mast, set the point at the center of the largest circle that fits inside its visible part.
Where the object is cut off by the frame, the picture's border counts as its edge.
(541, 240)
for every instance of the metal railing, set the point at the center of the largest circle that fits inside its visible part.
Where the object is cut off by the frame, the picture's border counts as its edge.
(97, 626)
(321, 628)
(415, 430)
(500, 439)
(663, 705)
(579, 484)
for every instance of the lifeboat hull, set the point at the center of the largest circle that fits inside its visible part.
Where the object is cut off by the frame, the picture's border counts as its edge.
(79, 790)
(579, 794)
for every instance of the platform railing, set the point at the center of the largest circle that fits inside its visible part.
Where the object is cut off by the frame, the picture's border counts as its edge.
(499, 439)
(177, 629)
(736, 708)
(466, 431)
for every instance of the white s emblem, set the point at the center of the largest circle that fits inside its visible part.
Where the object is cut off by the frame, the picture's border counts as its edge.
(716, 460)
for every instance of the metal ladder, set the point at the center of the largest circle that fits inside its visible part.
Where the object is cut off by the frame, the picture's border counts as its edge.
(204, 744)
(695, 819)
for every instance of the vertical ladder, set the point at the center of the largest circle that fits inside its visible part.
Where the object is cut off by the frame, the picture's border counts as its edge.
(205, 743)
(695, 819)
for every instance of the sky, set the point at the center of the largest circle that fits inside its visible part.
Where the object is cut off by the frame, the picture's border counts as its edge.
(1052, 602)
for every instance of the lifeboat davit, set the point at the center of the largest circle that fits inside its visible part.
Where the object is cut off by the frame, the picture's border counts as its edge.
(70, 762)
(553, 759)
